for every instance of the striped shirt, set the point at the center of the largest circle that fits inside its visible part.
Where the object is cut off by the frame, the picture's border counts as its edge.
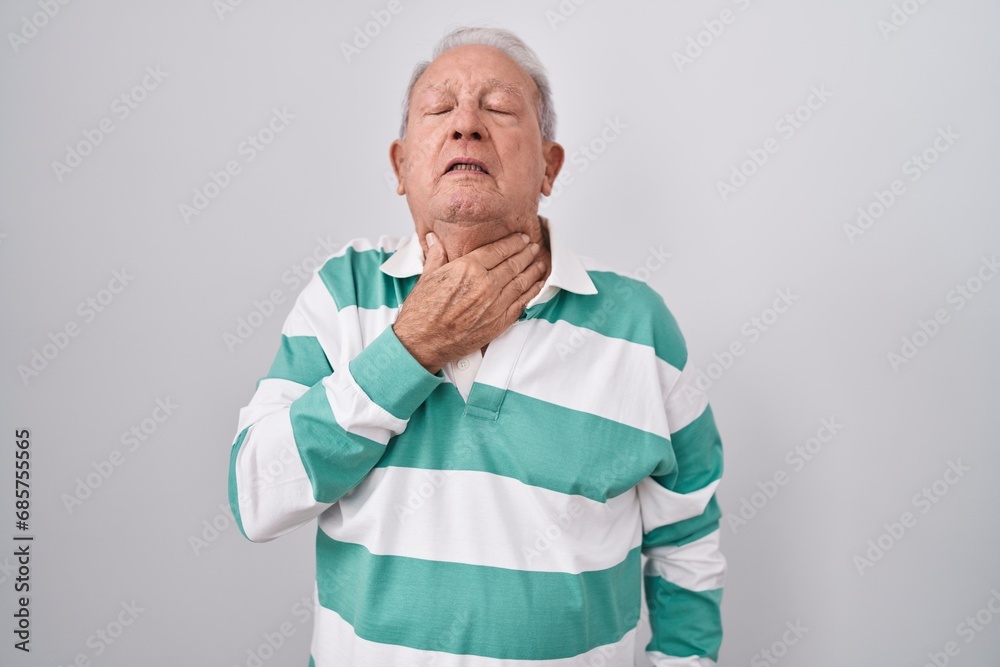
(503, 525)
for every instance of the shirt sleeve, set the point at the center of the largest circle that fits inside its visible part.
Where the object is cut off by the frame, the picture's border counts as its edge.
(681, 518)
(312, 432)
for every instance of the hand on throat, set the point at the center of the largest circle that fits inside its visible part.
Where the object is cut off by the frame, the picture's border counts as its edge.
(460, 238)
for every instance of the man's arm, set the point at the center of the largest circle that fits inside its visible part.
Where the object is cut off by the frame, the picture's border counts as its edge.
(311, 433)
(680, 516)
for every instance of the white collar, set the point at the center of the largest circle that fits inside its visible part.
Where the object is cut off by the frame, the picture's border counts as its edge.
(567, 272)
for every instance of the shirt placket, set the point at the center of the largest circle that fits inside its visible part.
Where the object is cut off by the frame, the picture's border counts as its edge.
(485, 400)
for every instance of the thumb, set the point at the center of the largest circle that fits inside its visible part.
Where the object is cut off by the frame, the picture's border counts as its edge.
(436, 255)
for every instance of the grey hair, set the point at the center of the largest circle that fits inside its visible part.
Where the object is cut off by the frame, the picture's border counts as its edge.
(509, 44)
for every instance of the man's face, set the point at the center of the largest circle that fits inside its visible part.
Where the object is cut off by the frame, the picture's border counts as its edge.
(473, 149)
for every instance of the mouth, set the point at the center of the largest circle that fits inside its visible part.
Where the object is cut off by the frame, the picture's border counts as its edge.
(466, 165)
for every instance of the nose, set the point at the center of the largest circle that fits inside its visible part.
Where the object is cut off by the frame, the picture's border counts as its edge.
(468, 124)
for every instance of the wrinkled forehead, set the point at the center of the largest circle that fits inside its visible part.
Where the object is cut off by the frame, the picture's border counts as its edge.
(454, 86)
(476, 69)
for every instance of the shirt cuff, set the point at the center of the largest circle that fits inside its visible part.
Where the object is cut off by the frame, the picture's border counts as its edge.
(392, 377)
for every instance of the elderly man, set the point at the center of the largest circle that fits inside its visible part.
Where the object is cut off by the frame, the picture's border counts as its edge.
(491, 429)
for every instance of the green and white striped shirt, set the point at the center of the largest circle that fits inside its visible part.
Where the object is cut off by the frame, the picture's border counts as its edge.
(505, 529)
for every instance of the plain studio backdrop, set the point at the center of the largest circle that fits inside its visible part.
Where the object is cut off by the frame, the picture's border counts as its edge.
(810, 185)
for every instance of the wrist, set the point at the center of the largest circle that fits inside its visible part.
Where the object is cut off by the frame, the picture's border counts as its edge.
(415, 350)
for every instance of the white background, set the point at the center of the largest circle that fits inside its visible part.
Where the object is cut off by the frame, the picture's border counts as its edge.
(327, 176)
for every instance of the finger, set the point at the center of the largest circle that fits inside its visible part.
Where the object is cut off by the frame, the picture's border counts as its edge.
(492, 254)
(515, 309)
(436, 256)
(523, 283)
(511, 267)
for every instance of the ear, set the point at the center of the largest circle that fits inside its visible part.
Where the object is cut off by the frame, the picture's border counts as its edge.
(397, 156)
(553, 154)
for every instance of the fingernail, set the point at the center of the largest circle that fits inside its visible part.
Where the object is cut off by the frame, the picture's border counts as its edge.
(534, 248)
(430, 239)
(525, 237)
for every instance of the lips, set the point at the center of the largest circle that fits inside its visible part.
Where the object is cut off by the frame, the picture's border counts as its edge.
(467, 164)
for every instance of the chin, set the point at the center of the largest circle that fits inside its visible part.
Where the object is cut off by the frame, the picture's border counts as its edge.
(468, 207)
